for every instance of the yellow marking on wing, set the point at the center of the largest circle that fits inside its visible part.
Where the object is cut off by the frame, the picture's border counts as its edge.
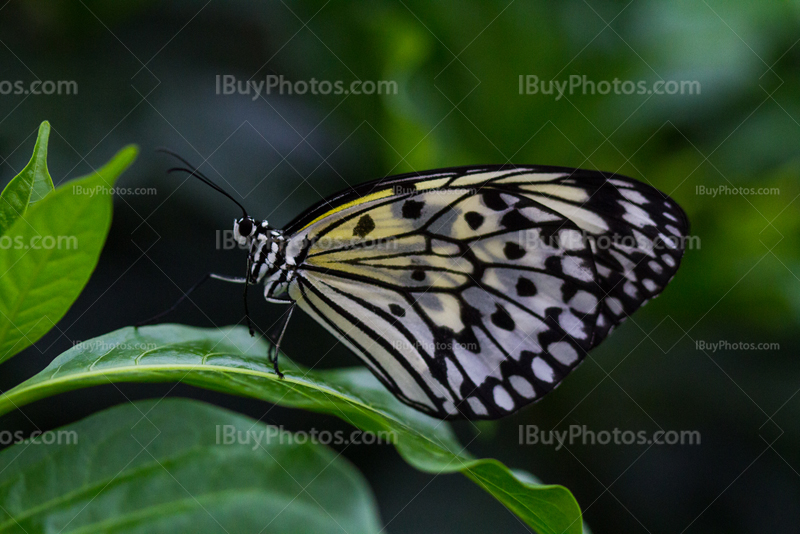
(388, 219)
(369, 198)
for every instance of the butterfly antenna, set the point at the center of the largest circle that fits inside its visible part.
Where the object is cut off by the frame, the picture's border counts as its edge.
(193, 171)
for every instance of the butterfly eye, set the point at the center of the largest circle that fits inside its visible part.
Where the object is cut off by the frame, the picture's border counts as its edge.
(245, 227)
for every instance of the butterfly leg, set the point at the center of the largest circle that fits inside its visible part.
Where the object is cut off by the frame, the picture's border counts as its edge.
(200, 282)
(276, 347)
(246, 309)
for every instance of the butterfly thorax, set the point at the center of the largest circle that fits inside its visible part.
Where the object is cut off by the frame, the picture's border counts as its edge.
(267, 260)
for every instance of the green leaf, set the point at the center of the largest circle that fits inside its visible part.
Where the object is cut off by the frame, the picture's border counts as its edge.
(230, 361)
(48, 255)
(29, 186)
(154, 467)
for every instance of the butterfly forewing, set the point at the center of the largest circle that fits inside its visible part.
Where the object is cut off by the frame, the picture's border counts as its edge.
(472, 292)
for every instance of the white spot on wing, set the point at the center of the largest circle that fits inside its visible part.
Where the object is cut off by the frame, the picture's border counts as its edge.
(502, 398)
(572, 325)
(636, 215)
(619, 183)
(576, 268)
(630, 289)
(655, 267)
(614, 305)
(522, 386)
(537, 215)
(542, 370)
(669, 241)
(583, 302)
(563, 352)
(477, 406)
(569, 239)
(634, 196)
(454, 376)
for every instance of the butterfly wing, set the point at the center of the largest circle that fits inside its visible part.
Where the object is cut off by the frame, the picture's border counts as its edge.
(472, 292)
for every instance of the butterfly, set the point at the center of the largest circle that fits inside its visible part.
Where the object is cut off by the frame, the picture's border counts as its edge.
(470, 292)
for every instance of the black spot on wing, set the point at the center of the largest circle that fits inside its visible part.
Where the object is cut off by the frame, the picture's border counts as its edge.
(494, 201)
(397, 310)
(514, 220)
(513, 251)
(412, 209)
(364, 226)
(467, 338)
(418, 275)
(568, 291)
(474, 219)
(502, 319)
(526, 287)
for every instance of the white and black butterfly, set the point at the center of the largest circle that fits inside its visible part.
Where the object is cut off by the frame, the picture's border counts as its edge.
(471, 292)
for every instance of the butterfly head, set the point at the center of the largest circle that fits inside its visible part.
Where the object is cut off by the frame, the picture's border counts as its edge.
(246, 228)
(264, 243)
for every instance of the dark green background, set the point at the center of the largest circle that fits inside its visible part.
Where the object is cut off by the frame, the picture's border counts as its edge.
(146, 74)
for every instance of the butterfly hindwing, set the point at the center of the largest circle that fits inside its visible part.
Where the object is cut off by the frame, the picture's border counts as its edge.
(472, 292)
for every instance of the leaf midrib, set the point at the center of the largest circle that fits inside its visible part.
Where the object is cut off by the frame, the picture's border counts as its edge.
(46, 383)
